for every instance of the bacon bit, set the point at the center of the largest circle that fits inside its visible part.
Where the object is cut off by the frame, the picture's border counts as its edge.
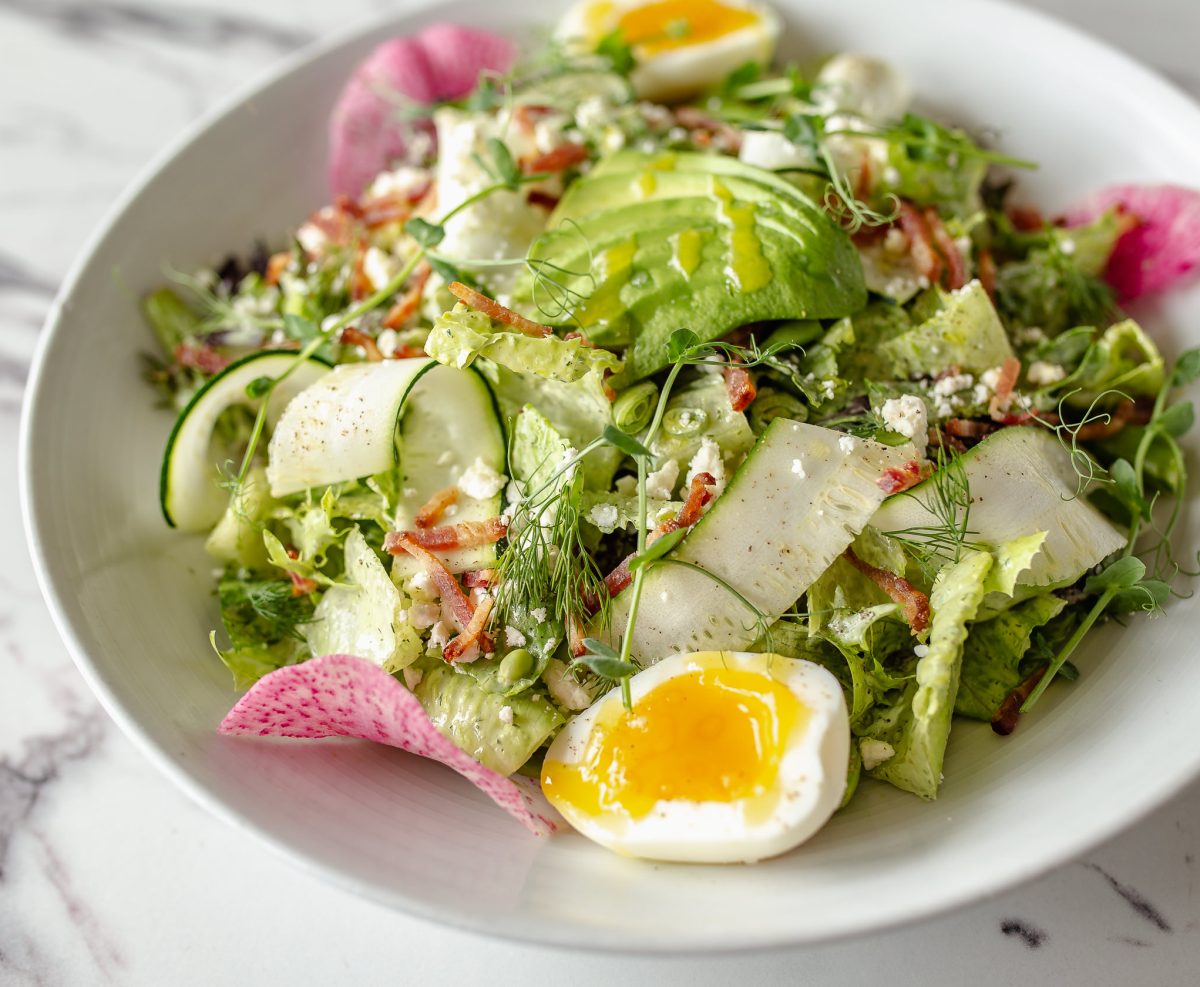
(1117, 420)
(708, 130)
(965, 428)
(392, 209)
(914, 603)
(406, 307)
(494, 310)
(479, 578)
(301, 585)
(987, 272)
(347, 206)
(561, 158)
(356, 337)
(866, 236)
(335, 225)
(1010, 371)
(536, 197)
(431, 513)
(739, 385)
(527, 115)
(956, 267)
(447, 586)
(276, 265)
(200, 356)
(897, 478)
(360, 284)
(1004, 720)
(863, 183)
(1027, 219)
(472, 634)
(920, 242)
(575, 636)
(466, 534)
(944, 440)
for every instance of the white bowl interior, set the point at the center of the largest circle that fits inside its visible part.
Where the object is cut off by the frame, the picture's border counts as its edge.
(134, 599)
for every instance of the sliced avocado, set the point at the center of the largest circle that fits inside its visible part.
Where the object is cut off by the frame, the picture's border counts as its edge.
(648, 244)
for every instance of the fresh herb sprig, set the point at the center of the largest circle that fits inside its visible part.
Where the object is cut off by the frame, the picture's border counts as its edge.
(947, 496)
(1127, 583)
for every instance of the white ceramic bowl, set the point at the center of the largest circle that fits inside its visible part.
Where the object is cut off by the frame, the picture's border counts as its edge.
(134, 603)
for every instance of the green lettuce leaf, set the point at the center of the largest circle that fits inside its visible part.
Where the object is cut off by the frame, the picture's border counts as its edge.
(918, 725)
(251, 662)
(697, 412)
(470, 716)
(1123, 358)
(991, 663)
(461, 335)
(237, 538)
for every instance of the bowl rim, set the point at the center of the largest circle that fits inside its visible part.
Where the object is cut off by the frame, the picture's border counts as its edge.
(1168, 98)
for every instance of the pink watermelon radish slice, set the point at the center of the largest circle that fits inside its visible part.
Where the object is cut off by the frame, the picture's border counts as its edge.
(345, 696)
(368, 131)
(1161, 250)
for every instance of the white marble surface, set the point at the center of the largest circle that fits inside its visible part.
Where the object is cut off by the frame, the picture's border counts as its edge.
(108, 874)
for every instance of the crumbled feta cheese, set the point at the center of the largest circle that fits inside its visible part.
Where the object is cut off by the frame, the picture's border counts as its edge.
(952, 384)
(627, 486)
(1042, 373)
(828, 390)
(1067, 246)
(907, 416)
(548, 132)
(891, 176)
(592, 112)
(708, 460)
(379, 267)
(990, 378)
(387, 341)
(513, 637)
(440, 636)
(605, 517)
(312, 238)
(412, 677)
(661, 483)
(419, 584)
(613, 140)
(798, 468)
(404, 182)
(875, 752)
(1030, 335)
(422, 615)
(480, 481)
(506, 715)
(538, 614)
(981, 394)
(921, 650)
(769, 149)
(847, 443)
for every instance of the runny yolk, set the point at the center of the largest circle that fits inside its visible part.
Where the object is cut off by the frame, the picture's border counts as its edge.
(656, 27)
(711, 735)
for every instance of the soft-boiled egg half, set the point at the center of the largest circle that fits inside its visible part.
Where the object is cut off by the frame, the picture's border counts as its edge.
(725, 757)
(681, 46)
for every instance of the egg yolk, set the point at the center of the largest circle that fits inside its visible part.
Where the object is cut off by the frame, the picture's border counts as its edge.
(656, 27)
(712, 735)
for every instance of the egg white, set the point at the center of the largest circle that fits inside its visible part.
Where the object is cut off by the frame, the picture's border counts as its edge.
(810, 783)
(680, 72)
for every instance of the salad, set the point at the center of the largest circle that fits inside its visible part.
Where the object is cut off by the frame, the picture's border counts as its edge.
(670, 439)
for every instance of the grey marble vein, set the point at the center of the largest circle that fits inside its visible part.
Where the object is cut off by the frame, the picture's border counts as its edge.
(23, 779)
(104, 19)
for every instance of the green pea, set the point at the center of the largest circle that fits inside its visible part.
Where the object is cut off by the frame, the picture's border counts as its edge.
(515, 665)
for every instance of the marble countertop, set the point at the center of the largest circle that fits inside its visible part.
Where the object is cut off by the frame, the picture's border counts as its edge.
(109, 874)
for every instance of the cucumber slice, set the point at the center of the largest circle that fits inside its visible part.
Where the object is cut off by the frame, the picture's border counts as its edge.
(188, 489)
(450, 424)
(1021, 483)
(343, 427)
(793, 507)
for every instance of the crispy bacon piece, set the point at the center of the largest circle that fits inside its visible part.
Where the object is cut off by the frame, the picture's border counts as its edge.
(537, 197)
(1027, 219)
(708, 130)
(475, 578)
(897, 478)
(472, 634)
(566, 155)
(406, 306)
(1010, 370)
(447, 586)
(433, 509)
(276, 265)
(494, 310)
(1004, 720)
(739, 385)
(301, 585)
(864, 181)
(200, 356)
(987, 272)
(356, 337)
(920, 242)
(956, 267)
(527, 115)
(393, 208)
(938, 438)
(1117, 420)
(965, 428)
(465, 534)
(347, 206)
(361, 286)
(912, 601)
